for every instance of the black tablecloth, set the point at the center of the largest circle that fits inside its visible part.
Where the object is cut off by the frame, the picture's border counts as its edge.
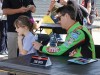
(60, 66)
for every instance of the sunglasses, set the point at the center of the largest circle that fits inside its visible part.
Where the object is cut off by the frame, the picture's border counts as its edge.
(59, 18)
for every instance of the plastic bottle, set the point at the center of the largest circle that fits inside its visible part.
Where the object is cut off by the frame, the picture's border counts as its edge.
(53, 40)
(85, 22)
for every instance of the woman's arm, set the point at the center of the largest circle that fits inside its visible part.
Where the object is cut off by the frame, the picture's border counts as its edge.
(51, 6)
(9, 11)
(89, 7)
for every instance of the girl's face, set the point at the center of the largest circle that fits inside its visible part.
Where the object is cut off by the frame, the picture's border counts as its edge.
(20, 30)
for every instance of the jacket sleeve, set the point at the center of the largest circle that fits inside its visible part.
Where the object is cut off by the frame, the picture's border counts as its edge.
(72, 39)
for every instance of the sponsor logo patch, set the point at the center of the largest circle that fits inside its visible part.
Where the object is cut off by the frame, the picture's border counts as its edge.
(74, 36)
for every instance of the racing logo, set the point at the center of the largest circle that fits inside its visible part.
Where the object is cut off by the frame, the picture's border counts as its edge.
(52, 49)
(74, 36)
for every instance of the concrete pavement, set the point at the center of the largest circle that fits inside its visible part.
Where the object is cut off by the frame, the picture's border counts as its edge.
(96, 32)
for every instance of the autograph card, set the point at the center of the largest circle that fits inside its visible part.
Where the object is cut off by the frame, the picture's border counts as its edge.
(82, 61)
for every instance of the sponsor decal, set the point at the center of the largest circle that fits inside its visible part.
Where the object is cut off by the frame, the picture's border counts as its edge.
(73, 37)
(52, 49)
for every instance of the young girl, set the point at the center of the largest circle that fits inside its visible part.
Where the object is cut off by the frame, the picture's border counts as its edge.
(24, 28)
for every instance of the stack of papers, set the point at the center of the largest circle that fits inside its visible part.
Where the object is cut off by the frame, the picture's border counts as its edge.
(82, 61)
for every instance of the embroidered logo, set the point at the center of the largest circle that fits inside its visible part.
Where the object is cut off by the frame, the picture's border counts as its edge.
(74, 36)
(52, 49)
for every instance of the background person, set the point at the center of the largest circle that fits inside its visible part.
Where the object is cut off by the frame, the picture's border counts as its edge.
(90, 6)
(78, 43)
(3, 31)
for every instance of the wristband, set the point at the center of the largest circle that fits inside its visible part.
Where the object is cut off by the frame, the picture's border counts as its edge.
(41, 48)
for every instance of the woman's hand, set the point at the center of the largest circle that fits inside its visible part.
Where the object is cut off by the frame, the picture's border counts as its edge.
(31, 8)
(48, 12)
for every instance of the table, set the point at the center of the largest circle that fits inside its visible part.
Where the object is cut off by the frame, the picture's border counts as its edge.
(51, 26)
(93, 26)
(60, 67)
(58, 29)
(47, 25)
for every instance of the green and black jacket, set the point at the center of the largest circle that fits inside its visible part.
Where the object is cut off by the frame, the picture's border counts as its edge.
(78, 38)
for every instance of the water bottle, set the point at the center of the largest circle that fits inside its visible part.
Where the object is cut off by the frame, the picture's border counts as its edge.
(84, 22)
(53, 40)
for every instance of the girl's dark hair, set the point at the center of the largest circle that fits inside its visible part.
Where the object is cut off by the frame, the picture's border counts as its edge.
(24, 21)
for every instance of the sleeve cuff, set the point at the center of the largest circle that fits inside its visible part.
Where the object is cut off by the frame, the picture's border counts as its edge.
(41, 48)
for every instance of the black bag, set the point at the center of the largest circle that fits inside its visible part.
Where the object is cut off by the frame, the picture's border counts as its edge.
(84, 11)
(81, 12)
